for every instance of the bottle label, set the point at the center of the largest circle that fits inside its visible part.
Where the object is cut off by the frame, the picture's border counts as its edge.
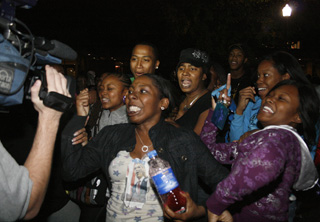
(220, 115)
(181, 211)
(165, 181)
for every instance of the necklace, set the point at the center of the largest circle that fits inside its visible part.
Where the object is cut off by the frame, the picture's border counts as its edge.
(186, 107)
(234, 91)
(144, 148)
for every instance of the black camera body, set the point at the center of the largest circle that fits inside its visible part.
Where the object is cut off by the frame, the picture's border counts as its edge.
(52, 99)
(19, 53)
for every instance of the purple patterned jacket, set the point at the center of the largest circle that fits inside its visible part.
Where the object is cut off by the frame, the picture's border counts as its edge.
(264, 168)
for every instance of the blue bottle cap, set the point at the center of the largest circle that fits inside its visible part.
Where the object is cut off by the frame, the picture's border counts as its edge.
(152, 154)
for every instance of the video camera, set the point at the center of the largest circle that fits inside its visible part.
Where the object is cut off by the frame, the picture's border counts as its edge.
(21, 52)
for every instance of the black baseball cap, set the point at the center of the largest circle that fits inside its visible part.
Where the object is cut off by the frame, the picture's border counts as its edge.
(195, 57)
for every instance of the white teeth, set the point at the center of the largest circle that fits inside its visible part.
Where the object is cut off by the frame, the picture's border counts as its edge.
(260, 89)
(105, 100)
(186, 83)
(134, 109)
(267, 109)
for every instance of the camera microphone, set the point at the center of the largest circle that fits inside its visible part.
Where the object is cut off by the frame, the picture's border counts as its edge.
(54, 48)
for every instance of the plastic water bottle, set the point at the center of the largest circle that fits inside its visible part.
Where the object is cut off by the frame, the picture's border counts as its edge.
(166, 183)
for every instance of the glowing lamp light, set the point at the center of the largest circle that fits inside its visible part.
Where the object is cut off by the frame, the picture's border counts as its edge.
(286, 11)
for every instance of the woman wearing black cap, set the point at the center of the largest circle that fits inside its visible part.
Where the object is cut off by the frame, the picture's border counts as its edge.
(192, 77)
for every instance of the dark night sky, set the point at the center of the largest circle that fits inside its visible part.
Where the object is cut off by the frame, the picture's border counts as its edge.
(95, 25)
(112, 27)
(101, 27)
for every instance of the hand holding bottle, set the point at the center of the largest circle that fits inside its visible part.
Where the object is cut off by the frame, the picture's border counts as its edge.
(221, 111)
(224, 96)
(192, 210)
(166, 183)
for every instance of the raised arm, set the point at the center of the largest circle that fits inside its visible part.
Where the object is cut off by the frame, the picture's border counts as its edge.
(39, 159)
(223, 152)
(78, 161)
(223, 97)
(83, 107)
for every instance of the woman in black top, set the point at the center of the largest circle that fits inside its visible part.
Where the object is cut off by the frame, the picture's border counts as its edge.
(192, 77)
(148, 102)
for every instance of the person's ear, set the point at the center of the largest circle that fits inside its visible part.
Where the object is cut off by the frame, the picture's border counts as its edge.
(157, 64)
(124, 95)
(204, 76)
(245, 60)
(285, 76)
(296, 119)
(125, 92)
(164, 103)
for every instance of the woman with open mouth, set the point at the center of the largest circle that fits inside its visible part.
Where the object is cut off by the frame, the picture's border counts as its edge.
(119, 149)
(193, 78)
(268, 164)
(271, 70)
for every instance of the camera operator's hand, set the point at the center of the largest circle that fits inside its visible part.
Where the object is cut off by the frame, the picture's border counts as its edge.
(82, 102)
(56, 82)
(39, 159)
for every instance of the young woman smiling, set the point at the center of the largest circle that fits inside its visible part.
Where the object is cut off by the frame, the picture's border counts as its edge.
(269, 163)
(112, 89)
(272, 69)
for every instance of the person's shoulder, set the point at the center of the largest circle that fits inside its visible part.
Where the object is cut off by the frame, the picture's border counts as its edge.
(204, 102)
(184, 134)
(278, 133)
(268, 139)
(177, 133)
(117, 128)
(207, 96)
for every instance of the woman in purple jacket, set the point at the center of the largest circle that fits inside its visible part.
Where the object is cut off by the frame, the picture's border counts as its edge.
(267, 164)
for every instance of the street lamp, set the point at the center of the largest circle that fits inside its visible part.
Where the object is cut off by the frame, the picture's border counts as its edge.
(286, 11)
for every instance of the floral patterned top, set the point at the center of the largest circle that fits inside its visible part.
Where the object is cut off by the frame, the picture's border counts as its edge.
(264, 168)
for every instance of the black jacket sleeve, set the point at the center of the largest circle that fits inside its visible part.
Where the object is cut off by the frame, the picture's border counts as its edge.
(78, 161)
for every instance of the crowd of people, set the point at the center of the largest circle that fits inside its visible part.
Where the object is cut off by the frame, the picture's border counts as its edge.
(254, 168)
